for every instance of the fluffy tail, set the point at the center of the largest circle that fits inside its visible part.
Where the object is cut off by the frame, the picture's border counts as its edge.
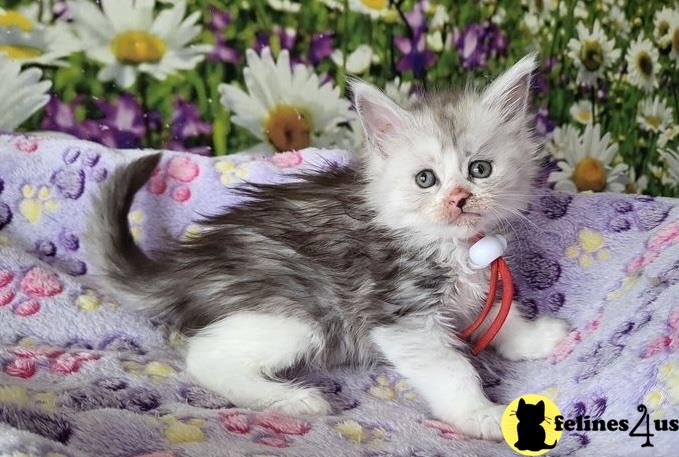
(122, 268)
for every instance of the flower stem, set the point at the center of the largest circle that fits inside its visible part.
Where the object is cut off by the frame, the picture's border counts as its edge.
(143, 88)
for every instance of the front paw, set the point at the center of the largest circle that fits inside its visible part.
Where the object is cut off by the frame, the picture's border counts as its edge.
(481, 424)
(536, 340)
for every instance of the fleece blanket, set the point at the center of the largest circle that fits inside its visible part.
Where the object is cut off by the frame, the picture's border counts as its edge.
(83, 376)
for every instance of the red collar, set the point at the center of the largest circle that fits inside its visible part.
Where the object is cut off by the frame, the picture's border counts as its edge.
(498, 269)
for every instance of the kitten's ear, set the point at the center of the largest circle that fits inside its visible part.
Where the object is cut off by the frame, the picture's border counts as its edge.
(510, 92)
(541, 405)
(521, 402)
(381, 118)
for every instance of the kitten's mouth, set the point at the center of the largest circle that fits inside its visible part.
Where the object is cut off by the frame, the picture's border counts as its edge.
(465, 218)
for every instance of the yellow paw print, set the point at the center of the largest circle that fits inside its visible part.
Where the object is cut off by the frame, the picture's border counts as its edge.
(357, 433)
(387, 389)
(88, 301)
(230, 172)
(22, 396)
(191, 231)
(158, 372)
(35, 202)
(4, 241)
(136, 218)
(181, 432)
(627, 284)
(590, 247)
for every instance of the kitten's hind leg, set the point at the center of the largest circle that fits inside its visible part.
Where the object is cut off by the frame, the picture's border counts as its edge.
(239, 355)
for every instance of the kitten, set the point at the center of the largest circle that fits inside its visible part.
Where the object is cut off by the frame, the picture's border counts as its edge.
(531, 434)
(353, 266)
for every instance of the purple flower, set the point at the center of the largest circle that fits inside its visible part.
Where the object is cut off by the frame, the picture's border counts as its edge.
(287, 38)
(416, 18)
(544, 125)
(320, 47)
(61, 117)
(479, 41)
(122, 125)
(415, 56)
(219, 19)
(186, 121)
(223, 53)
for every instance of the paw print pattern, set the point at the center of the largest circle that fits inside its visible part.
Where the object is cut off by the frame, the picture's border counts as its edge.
(361, 432)
(669, 342)
(175, 178)
(665, 237)
(157, 371)
(391, 387)
(555, 206)
(47, 251)
(566, 346)
(642, 212)
(230, 172)
(20, 395)
(26, 361)
(183, 431)
(110, 393)
(289, 159)
(27, 144)
(590, 247)
(135, 218)
(665, 391)
(37, 283)
(80, 165)
(269, 428)
(539, 272)
(444, 430)
(203, 398)
(36, 201)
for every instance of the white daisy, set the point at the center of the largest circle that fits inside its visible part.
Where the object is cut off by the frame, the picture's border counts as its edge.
(286, 108)
(673, 36)
(582, 112)
(671, 158)
(376, 9)
(667, 135)
(400, 92)
(564, 138)
(127, 39)
(285, 5)
(358, 61)
(21, 93)
(25, 39)
(586, 166)
(592, 52)
(440, 17)
(642, 64)
(662, 26)
(654, 115)
(636, 185)
(542, 9)
(617, 20)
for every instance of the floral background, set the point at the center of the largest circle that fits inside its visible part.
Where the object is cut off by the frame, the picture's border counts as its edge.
(214, 77)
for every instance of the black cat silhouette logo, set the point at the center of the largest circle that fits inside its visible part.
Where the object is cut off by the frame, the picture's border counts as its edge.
(528, 424)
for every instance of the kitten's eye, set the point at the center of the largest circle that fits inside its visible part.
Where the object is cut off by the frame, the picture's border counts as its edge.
(425, 179)
(480, 169)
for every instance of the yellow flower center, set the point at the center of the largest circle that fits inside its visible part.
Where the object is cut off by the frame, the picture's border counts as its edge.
(663, 27)
(645, 64)
(18, 52)
(653, 121)
(375, 4)
(591, 55)
(136, 47)
(288, 129)
(589, 174)
(585, 116)
(11, 18)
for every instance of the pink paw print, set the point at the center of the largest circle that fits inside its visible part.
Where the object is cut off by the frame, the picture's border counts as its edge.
(175, 176)
(444, 430)
(37, 283)
(566, 346)
(27, 144)
(287, 159)
(669, 342)
(27, 361)
(268, 428)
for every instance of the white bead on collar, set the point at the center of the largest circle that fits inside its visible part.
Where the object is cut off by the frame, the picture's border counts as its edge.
(483, 252)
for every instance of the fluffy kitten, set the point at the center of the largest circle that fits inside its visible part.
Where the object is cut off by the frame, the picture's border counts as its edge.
(356, 265)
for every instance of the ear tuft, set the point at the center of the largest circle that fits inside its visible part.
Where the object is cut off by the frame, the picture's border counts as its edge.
(381, 118)
(510, 92)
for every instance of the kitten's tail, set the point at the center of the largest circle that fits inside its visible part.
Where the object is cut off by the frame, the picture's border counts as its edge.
(122, 269)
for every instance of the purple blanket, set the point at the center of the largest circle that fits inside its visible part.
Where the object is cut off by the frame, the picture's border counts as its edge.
(81, 376)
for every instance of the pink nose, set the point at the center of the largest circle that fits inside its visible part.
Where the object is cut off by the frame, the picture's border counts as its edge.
(458, 197)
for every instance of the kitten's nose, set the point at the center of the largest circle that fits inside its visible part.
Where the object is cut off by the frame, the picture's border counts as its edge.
(458, 197)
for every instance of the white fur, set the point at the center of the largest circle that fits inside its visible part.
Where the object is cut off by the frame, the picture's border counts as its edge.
(422, 352)
(237, 357)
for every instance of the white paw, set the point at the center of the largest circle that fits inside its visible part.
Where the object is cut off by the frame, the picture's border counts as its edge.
(482, 424)
(302, 402)
(536, 340)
